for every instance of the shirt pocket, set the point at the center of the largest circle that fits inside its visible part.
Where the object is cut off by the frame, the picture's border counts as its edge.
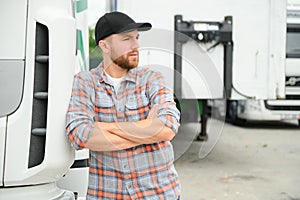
(105, 108)
(105, 101)
(137, 107)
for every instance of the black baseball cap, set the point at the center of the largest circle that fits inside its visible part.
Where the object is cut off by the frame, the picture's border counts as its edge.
(117, 22)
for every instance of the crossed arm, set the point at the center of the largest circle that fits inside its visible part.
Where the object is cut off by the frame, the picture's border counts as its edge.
(122, 135)
(84, 132)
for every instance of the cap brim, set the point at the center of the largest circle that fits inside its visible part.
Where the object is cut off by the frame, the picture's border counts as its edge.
(136, 26)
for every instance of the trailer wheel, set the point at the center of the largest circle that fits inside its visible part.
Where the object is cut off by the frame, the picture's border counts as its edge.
(231, 111)
(232, 114)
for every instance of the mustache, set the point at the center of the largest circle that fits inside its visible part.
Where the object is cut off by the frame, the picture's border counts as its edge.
(133, 52)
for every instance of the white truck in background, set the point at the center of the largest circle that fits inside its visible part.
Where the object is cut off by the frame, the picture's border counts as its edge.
(285, 109)
(42, 46)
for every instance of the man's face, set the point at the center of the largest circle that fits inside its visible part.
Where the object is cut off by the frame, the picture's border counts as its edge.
(124, 49)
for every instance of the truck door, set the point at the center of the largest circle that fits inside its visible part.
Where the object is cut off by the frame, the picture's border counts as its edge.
(12, 56)
(37, 59)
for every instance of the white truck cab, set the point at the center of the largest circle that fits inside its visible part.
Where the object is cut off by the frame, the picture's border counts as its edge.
(280, 109)
(37, 62)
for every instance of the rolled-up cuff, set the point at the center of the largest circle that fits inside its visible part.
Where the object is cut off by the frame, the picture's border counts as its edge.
(81, 136)
(170, 122)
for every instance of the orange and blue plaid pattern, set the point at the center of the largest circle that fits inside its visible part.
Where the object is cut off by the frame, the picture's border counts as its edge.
(142, 172)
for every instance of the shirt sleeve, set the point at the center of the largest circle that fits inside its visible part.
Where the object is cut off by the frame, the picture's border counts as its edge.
(80, 115)
(160, 94)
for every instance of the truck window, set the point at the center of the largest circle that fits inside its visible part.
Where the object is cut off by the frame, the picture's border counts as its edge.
(293, 41)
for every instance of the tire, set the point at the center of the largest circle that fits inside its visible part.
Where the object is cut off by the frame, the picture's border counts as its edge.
(231, 114)
(231, 111)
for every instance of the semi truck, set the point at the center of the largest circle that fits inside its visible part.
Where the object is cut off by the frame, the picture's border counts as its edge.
(42, 47)
(206, 50)
(285, 109)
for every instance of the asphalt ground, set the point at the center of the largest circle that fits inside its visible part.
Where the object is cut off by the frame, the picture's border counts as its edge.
(259, 161)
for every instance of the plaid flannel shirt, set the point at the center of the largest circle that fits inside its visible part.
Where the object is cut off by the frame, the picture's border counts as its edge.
(142, 172)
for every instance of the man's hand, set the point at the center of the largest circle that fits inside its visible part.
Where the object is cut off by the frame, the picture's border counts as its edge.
(122, 135)
(142, 129)
(153, 112)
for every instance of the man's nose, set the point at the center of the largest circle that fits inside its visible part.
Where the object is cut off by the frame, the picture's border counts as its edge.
(135, 44)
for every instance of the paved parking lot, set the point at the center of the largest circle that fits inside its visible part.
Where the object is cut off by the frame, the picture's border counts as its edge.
(259, 161)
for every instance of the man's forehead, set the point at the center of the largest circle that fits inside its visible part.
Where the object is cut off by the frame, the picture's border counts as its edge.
(131, 33)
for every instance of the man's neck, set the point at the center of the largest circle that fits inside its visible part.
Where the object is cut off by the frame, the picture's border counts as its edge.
(115, 71)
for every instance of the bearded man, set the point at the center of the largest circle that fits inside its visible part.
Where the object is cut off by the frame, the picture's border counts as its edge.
(126, 117)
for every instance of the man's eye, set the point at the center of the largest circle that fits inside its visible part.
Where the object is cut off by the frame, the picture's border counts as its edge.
(127, 38)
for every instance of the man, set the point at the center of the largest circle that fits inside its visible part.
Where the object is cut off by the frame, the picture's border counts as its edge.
(126, 117)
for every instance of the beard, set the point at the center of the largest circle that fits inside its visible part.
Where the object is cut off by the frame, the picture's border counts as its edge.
(126, 61)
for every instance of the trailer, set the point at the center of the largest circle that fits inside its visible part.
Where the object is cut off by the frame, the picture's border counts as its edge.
(257, 65)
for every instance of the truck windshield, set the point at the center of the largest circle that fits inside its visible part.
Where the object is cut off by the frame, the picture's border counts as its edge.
(293, 41)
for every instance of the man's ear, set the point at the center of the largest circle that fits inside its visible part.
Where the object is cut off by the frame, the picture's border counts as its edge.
(104, 46)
